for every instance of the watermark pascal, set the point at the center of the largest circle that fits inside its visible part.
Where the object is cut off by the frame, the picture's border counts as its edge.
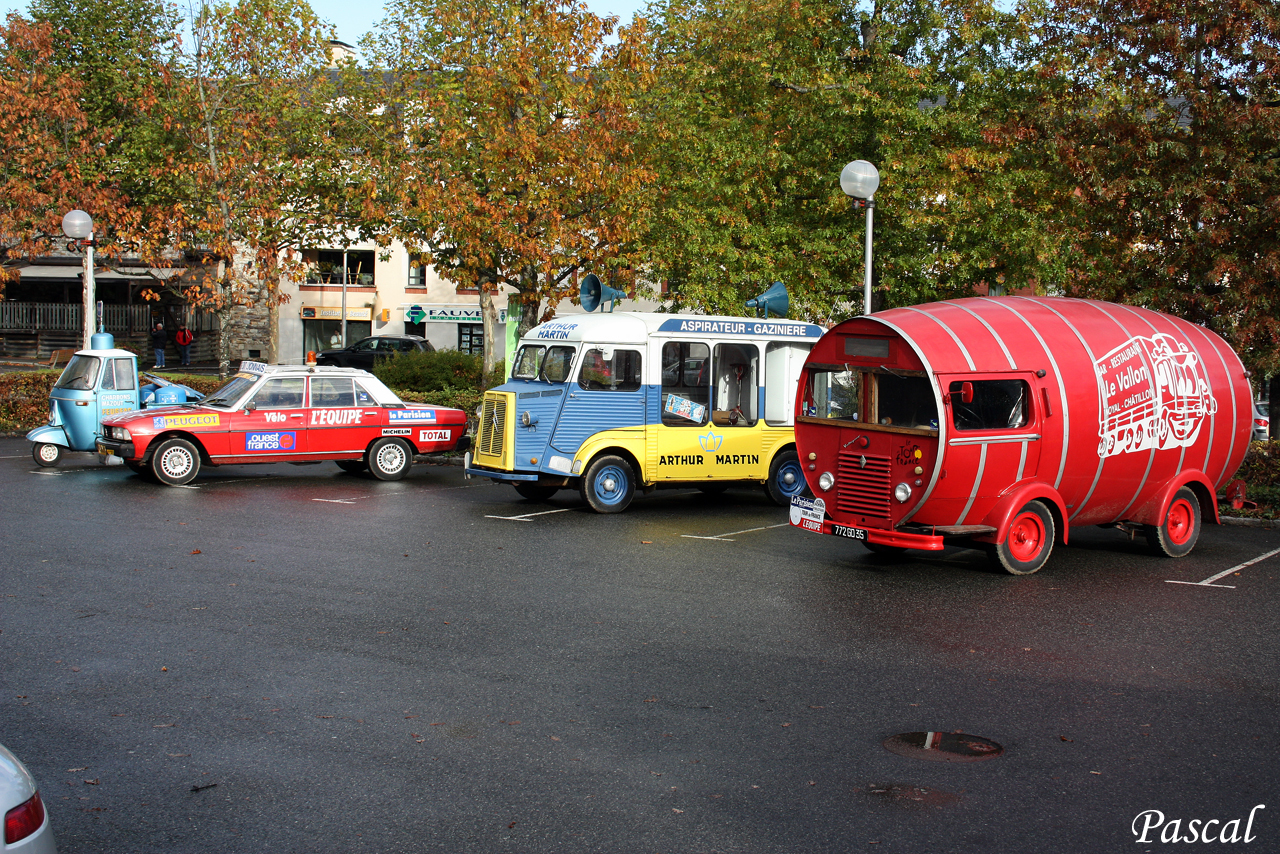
(1196, 830)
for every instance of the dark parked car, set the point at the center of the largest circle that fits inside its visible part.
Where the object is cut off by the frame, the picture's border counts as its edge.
(366, 351)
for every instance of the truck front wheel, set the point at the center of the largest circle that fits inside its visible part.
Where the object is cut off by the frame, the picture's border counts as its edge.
(609, 484)
(1177, 535)
(1029, 542)
(46, 453)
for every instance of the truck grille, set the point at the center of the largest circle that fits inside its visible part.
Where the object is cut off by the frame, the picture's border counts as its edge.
(493, 422)
(862, 484)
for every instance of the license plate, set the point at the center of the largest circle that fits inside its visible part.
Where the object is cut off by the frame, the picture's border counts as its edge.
(105, 451)
(851, 533)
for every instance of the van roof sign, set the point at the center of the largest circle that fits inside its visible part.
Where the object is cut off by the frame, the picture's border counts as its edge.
(744, 326)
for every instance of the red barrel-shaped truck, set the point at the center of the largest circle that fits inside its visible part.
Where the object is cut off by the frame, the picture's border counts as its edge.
(1003, 421)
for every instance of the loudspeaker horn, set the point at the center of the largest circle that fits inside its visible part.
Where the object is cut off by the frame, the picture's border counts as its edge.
(592, 292)
(773, 300)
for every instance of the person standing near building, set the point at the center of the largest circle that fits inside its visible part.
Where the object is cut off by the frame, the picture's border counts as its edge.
(159, 338)
(183, 339)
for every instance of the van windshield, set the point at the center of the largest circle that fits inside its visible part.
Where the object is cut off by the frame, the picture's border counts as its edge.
(80, 373)
(539, 362)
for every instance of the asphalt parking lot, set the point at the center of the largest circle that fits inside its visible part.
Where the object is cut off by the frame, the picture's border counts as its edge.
(291, 658)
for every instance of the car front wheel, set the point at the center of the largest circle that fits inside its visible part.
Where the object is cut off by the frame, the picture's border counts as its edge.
(176, 462)
(389, 459)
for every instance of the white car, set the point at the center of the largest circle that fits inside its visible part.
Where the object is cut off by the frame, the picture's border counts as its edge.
(26, 826)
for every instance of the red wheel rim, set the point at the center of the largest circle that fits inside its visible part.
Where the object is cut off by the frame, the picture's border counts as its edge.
(1026, 537)
(1180, 522)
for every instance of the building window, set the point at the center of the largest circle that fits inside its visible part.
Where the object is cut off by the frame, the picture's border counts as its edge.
(418, 265)
(327, 267)
(471, 338)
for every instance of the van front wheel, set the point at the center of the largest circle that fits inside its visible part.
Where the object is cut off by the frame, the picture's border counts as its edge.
(609, 484)
(786, 478)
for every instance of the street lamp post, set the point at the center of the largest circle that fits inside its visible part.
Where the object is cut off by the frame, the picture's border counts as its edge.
(860, 180)
(78, 225)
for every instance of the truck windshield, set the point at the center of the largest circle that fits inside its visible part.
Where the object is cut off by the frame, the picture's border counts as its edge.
(80, 373)
(232, 391)
(870, 397)
(538, 362)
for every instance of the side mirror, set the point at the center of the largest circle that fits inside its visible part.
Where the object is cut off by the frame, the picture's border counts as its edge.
(966, 392)
(250, 406)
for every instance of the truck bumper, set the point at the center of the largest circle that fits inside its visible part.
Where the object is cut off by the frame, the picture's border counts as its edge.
(878, 536)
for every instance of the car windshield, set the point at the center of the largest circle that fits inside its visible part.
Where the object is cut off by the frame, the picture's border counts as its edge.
(80, 373)
(232, 391)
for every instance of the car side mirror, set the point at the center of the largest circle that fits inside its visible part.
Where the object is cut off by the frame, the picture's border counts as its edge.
(250, 406)
(966, 392)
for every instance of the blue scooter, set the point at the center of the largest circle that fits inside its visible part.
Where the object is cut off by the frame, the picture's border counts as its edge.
(97, 382)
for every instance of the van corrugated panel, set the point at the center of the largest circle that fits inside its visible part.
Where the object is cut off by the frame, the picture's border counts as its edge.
(607, 410)
(862, 484)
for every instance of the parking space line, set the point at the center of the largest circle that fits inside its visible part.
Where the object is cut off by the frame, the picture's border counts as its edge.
(527, 516)
(1208, 582)
(725, 537)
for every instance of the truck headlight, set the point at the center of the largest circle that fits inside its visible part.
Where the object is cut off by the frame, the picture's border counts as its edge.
(826, 480)
(902, 492)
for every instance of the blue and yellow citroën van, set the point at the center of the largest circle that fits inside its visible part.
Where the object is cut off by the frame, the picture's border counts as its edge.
(612, 403)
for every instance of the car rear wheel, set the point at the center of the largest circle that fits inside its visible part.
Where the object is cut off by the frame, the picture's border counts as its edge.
(176, 462)
(609, 484)
(1029, 542)
(1177, 535)
(389, 459)
(786, 478)
(536, 491)
(46, 453)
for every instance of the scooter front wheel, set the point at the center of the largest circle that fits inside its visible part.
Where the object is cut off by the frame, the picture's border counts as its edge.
(46, 454)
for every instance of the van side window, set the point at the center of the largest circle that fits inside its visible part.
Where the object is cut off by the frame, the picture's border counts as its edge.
(619, 373)
(996, 404)
(686, 383)
(736, 378)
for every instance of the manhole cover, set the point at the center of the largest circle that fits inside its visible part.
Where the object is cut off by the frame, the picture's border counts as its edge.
(943, 746)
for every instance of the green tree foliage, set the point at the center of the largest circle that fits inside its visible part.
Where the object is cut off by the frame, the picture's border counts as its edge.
(505, 131)
(1167, 119)
(758, 107)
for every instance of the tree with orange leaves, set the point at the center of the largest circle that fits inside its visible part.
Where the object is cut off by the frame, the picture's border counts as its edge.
(501, 143)
(49, 155)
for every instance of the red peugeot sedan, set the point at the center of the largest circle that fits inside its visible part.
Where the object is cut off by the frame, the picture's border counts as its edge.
(284, 414)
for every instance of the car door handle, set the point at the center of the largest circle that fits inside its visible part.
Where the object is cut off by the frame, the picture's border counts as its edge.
(297, 415)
